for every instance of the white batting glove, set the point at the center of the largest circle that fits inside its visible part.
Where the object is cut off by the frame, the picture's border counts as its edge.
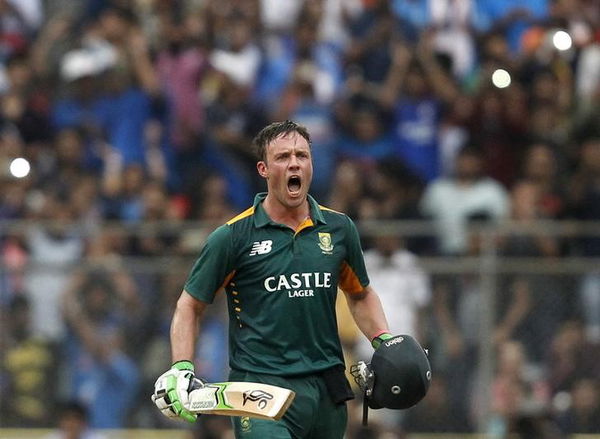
(171, 391)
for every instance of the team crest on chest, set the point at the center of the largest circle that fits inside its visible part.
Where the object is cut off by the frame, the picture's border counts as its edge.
(325, 243)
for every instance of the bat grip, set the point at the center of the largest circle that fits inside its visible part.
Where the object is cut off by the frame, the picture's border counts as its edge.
(197, 383)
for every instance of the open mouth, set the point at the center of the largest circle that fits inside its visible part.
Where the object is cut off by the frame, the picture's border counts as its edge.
(294, 184)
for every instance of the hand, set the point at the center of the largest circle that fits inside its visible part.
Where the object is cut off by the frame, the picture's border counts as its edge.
(171, 391)
(401, 54)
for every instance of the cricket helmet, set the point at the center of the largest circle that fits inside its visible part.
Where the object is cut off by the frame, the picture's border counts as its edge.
(399, 374)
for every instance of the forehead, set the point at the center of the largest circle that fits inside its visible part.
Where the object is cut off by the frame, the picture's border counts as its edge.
(287, 141)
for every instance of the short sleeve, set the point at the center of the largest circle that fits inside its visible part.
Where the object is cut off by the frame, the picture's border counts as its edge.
(353, 273)
(214, 268)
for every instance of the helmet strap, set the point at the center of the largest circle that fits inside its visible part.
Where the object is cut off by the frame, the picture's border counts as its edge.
(365, 411)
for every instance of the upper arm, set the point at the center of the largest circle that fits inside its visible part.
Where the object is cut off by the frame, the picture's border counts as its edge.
(353, 273)
(500, 202)
(186, 300)
(214, 268)
(427, 206)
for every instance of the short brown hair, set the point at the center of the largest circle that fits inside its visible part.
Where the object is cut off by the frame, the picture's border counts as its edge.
(273, 131)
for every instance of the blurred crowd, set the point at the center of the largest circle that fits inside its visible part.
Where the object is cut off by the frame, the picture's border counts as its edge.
(140, 114)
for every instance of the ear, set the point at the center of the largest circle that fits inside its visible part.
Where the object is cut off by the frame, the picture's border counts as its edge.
(262, 169)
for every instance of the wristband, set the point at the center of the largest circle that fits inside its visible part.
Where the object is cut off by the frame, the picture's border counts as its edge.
(377, 340)
(183, 365)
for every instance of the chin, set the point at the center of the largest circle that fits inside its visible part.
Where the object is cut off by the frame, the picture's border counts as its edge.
(295, 201)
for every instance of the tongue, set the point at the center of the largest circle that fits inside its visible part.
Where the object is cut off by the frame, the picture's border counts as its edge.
(294, 185)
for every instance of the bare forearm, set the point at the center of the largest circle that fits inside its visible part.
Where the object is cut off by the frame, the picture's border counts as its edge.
(184, 327)
(520, 306)
(368, 313)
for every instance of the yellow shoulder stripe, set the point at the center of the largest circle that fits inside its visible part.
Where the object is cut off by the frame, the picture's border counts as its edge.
(244, 214)
(329, 210)
(348, 280)
(226, 281)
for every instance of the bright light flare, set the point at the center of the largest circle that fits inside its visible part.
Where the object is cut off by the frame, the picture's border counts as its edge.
(501, 78)
(20, 167)
(562, 40)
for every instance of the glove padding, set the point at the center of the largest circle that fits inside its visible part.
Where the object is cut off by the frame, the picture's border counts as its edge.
(171, 391)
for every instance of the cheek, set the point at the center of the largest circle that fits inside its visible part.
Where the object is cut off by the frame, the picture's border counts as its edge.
(309, 168)
(275, 173)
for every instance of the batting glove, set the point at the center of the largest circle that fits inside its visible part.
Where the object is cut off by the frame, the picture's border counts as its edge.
(171, 391)
(376, 342)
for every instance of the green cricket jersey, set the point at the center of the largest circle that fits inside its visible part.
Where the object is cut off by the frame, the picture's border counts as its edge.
(281, 287)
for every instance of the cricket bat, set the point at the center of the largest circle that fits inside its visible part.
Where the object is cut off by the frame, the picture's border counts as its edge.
(237, 398)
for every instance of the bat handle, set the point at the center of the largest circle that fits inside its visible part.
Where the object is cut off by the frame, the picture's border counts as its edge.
(197, 383)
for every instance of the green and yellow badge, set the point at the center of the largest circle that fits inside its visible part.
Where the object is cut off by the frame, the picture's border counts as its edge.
(245, 424)
(325, 243)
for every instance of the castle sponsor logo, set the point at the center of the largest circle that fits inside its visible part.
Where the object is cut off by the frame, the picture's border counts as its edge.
(261, 398)
(298, 284)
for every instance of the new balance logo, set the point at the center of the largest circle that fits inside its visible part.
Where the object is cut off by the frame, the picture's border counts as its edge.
(261, 247)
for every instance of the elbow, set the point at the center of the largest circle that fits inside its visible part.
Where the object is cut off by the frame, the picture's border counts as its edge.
(360, 295)
(189, 304)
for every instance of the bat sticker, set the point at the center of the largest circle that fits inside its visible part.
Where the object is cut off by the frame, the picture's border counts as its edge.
(258, 395)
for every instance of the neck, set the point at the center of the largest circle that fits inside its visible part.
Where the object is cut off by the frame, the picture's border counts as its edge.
(290, 216)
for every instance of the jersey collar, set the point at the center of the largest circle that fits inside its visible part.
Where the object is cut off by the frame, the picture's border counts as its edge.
(261, 219)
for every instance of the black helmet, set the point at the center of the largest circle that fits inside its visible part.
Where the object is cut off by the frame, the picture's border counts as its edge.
(398, 376)
(401, 373)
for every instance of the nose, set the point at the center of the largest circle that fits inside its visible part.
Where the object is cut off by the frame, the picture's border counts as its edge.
(293, 162)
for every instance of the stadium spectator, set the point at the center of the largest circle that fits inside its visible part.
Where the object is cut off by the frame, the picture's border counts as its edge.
(182, 65)
(139, 112)
(53, 249)
(571, 357)
(16, 33)
(368, 141)
(497, 134)
(300, 102)
(436, 414)
(450, 201)
(232, 119)
(584, 198)
(517, 390)
(28, 370)
(416, 87)
(101, 374)
(451, 21)
(348, 188)
(73, 423)
(455, 131)
(369, 54)
(542, 166)
(547, 306)
(584, 414)
(287, 54)
(512, 17)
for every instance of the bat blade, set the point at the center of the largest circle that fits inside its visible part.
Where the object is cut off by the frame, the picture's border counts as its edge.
(237, 398)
